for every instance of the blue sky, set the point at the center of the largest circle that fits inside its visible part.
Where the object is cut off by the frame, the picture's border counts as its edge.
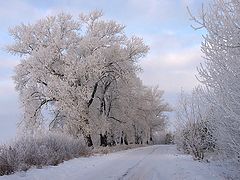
(163, 24)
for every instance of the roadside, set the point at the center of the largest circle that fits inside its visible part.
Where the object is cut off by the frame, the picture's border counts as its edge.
(146, 163)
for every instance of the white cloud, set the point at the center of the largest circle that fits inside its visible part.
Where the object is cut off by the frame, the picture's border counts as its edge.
(15, 12)
(8, 63)
(7, 68)
(7, 88)
(184, 58)
(159, 10)
(172, 70)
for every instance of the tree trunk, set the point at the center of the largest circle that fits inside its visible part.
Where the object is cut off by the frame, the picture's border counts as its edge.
(151, 135)
(88, 140)
(125, 139)
(136, 137)
(87, 130)
(103, 139)
(110, 140)
(122, 138)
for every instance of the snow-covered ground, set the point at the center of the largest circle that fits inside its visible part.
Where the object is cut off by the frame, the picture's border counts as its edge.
(159, 162)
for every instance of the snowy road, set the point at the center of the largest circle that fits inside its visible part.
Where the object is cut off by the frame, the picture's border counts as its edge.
(160, 162)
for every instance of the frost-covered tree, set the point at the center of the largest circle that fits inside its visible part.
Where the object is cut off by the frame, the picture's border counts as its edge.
(220, 72)
(78, 75)
(64, 63)
(153, 108)
(137, 112)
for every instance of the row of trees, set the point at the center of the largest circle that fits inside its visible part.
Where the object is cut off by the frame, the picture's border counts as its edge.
(219, 75)
(79, 76)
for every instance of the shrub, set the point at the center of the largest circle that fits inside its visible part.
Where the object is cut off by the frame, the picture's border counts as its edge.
(39, 150)
(169, 138)
(196, 138)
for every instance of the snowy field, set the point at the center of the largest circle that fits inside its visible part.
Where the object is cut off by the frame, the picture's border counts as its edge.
(159, 162)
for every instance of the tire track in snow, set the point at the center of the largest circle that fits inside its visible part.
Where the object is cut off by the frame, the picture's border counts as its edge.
(135, 165)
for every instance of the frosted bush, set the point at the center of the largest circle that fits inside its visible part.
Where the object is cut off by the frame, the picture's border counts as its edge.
(39, 150)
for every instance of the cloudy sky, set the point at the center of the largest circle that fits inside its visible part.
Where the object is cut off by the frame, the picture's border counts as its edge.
(164, 25)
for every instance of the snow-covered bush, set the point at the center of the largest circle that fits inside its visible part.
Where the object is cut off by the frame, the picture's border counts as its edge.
(169, 138)
(196, 138)
(7, 160)
(39, 150)
(194, 133)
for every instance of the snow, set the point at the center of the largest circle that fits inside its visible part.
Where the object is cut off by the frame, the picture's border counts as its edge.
(162, 162)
